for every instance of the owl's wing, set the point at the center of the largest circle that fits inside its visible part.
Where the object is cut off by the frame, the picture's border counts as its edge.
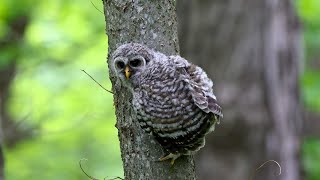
(199, 85)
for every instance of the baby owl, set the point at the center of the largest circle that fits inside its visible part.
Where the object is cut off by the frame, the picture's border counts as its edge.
(172, 98)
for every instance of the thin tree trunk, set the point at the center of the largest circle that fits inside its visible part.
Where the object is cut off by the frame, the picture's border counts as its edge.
(1, 163)
(7, 73)
(154, 24)
(9, 133)
(252, 51)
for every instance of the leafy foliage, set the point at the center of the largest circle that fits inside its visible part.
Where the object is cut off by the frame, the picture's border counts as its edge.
(309, 11)
(74, 116)
(311, 158)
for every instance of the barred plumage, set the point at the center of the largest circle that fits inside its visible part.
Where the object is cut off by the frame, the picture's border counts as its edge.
(173, 99)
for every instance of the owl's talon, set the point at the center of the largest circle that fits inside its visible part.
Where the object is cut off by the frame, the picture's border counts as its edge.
(171, 156)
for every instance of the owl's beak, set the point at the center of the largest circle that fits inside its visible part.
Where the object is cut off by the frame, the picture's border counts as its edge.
(127, 72)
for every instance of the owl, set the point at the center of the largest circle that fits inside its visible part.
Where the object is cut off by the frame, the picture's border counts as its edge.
(172, 98)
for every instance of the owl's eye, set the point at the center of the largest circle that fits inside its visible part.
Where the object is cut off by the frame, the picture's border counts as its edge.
(135, 62)
(120, 64)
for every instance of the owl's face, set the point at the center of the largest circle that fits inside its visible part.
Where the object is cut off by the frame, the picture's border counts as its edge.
(130, 62)
(129, 67)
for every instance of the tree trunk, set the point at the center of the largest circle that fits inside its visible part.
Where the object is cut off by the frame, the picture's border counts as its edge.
(154, 24)
(7, 73)
(252, 51)
(6, 76)
(9, 132)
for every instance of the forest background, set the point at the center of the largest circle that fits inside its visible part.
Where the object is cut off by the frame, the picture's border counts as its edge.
(56, 115)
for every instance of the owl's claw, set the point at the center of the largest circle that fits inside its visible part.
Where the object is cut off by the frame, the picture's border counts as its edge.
(171, 156)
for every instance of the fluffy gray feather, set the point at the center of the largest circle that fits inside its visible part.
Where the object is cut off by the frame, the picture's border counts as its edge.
(173, 98)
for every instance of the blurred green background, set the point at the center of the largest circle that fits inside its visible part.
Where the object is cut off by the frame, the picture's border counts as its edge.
(62, 114)
(70, 116)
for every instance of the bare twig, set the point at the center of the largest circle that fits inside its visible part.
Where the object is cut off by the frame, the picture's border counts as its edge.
(113, 178)
(83, 159)
(265, 164)
(268, 162)
(97, 82)
(93, 178)
(96, 7)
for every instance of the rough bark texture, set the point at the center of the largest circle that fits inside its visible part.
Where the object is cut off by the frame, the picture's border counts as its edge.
(154, 24)
(251, 49)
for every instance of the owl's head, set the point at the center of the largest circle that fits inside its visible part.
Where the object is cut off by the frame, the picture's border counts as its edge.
(130, 61)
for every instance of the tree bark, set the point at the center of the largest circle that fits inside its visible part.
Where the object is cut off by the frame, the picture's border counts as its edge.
(154, 24)
(252, 51)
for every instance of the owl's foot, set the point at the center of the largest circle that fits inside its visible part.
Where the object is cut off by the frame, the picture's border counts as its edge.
(171, 156)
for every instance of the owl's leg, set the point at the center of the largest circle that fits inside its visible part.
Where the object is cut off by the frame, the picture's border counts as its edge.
(171, 156)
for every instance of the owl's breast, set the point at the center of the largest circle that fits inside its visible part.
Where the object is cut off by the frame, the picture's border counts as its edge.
(165, 108)
(162, 101)
(162, 92)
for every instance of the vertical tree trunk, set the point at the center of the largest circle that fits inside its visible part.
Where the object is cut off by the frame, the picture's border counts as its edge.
(251, 49)
(7, 73)
(154, 24)
(1, 163)
(8, 131)
(281, 60)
